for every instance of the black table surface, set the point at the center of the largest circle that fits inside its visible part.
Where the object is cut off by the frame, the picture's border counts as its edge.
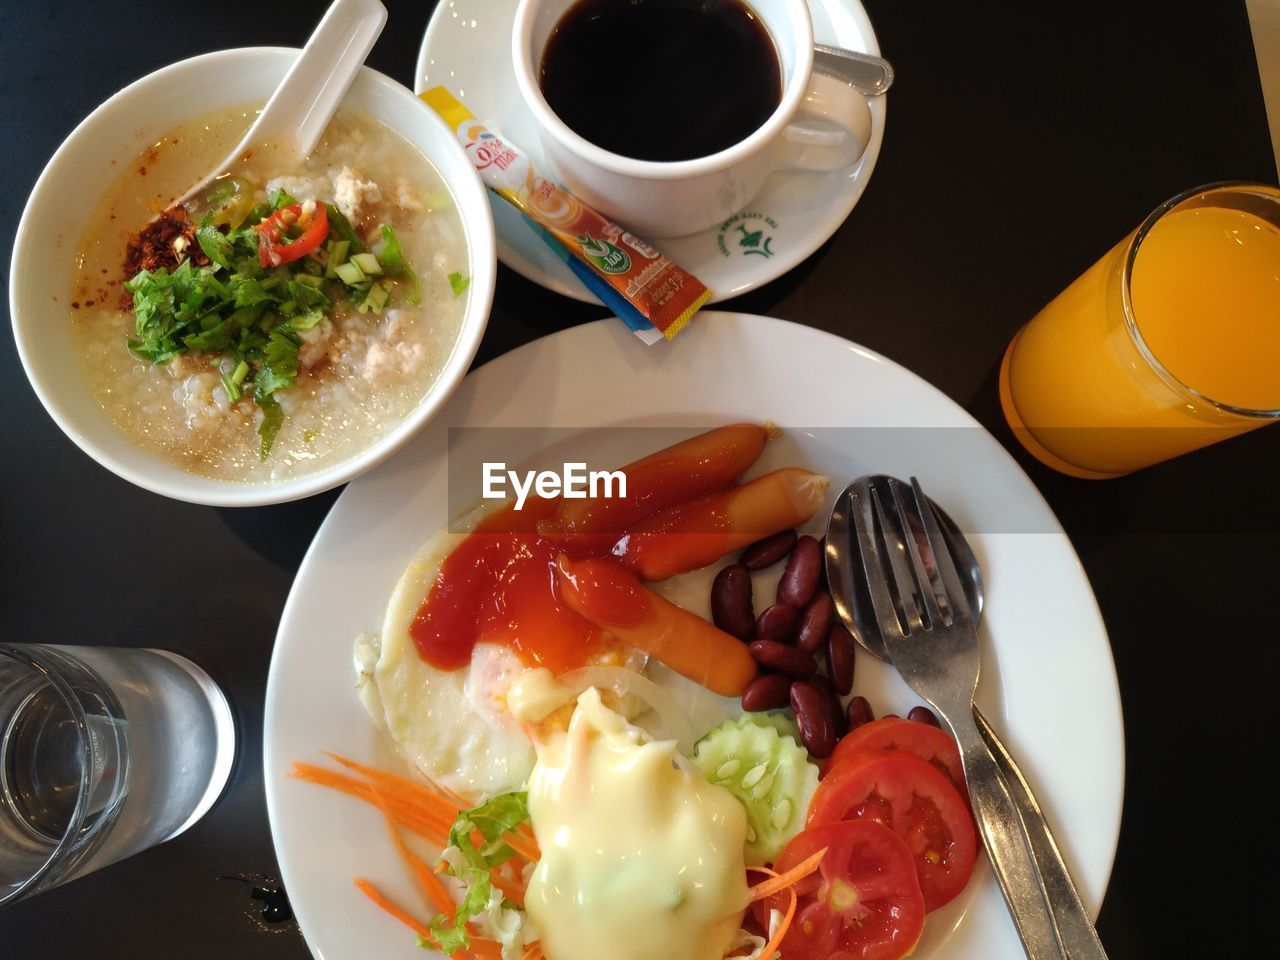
(1022, 141)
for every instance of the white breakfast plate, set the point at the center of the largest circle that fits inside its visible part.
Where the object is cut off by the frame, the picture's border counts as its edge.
(467, 49)
(1048, 679)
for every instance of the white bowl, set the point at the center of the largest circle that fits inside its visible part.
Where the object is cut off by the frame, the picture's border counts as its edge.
(65, 198)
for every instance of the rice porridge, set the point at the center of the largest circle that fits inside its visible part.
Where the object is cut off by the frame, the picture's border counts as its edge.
(288, 366)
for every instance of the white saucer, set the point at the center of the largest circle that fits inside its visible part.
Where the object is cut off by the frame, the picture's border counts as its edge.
(466, 48)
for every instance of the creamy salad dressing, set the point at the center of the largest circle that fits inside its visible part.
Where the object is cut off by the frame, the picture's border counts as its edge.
(641, 856)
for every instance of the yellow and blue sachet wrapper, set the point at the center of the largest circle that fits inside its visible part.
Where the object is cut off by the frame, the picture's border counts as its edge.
(645, 288)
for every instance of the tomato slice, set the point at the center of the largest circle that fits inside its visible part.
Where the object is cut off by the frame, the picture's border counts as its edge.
(914, 799)
(863, 903)
(894, 733)
(275, 246)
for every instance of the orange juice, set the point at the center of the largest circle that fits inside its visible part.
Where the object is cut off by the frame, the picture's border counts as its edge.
(1168, 343)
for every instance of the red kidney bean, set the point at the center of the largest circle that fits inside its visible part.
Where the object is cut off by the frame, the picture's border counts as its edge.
(823, 683)
(840, 658)
(804, 570)
(815, 622)
(818, 717)
(767, 552)
(777, 623)
(858, 712)
(783, 658)
(769, 691)
(731, 608)
(923, 714)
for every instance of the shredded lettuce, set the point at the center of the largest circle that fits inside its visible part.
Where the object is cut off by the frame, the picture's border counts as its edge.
(471, 864)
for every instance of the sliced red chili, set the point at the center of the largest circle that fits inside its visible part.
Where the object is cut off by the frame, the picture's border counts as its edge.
(276, 247)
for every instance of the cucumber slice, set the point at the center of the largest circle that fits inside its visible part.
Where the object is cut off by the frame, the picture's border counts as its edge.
(780, 720)
(769, 772)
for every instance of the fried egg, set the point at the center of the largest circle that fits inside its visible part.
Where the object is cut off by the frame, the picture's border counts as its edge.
(454, 726)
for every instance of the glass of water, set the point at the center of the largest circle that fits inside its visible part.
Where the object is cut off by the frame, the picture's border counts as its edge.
(104, 751)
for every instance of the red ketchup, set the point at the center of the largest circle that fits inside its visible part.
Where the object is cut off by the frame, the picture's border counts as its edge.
(498, 584)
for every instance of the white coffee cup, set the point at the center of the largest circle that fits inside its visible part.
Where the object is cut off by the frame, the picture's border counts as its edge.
(820, 124)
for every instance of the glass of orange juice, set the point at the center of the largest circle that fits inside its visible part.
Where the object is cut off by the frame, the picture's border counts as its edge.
(1167, 344)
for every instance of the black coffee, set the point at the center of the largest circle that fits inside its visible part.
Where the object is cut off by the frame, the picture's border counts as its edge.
(661, 79)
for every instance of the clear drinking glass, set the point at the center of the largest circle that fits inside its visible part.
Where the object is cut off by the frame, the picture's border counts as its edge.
(1167, 344)
(104, 751)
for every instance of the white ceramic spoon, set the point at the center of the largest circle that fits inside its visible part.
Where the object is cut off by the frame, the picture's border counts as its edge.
(304, 103)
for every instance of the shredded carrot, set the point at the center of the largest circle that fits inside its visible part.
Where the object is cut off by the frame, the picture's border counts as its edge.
(370, 891)
(771, 947)
(511, 889)
(780, 881)
(431, 793)
(427, 880)
(429, 811)
(485, 948)
(527, 847)
(432, 826)
(534, 952)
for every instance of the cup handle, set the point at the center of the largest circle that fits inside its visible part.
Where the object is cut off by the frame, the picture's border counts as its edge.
(811, 143)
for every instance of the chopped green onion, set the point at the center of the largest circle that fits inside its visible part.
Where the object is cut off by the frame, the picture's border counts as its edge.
(349, 273)
(368, 263)
(337, 256)
(378, 296)
(340, 225)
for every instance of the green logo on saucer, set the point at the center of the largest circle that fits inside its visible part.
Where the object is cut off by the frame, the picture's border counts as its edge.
(747, 233)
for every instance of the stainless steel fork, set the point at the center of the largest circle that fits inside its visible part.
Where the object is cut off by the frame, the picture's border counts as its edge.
(930, 635)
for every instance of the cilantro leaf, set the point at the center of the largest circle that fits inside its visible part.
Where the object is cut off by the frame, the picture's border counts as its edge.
(236, 309)
(280, 364)
(394, 264)
(215, 244)
(307, 295)
(272, 418)
(302, 321)
(280, 198)
(250, 291)
(458, 282)
(218, 333)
